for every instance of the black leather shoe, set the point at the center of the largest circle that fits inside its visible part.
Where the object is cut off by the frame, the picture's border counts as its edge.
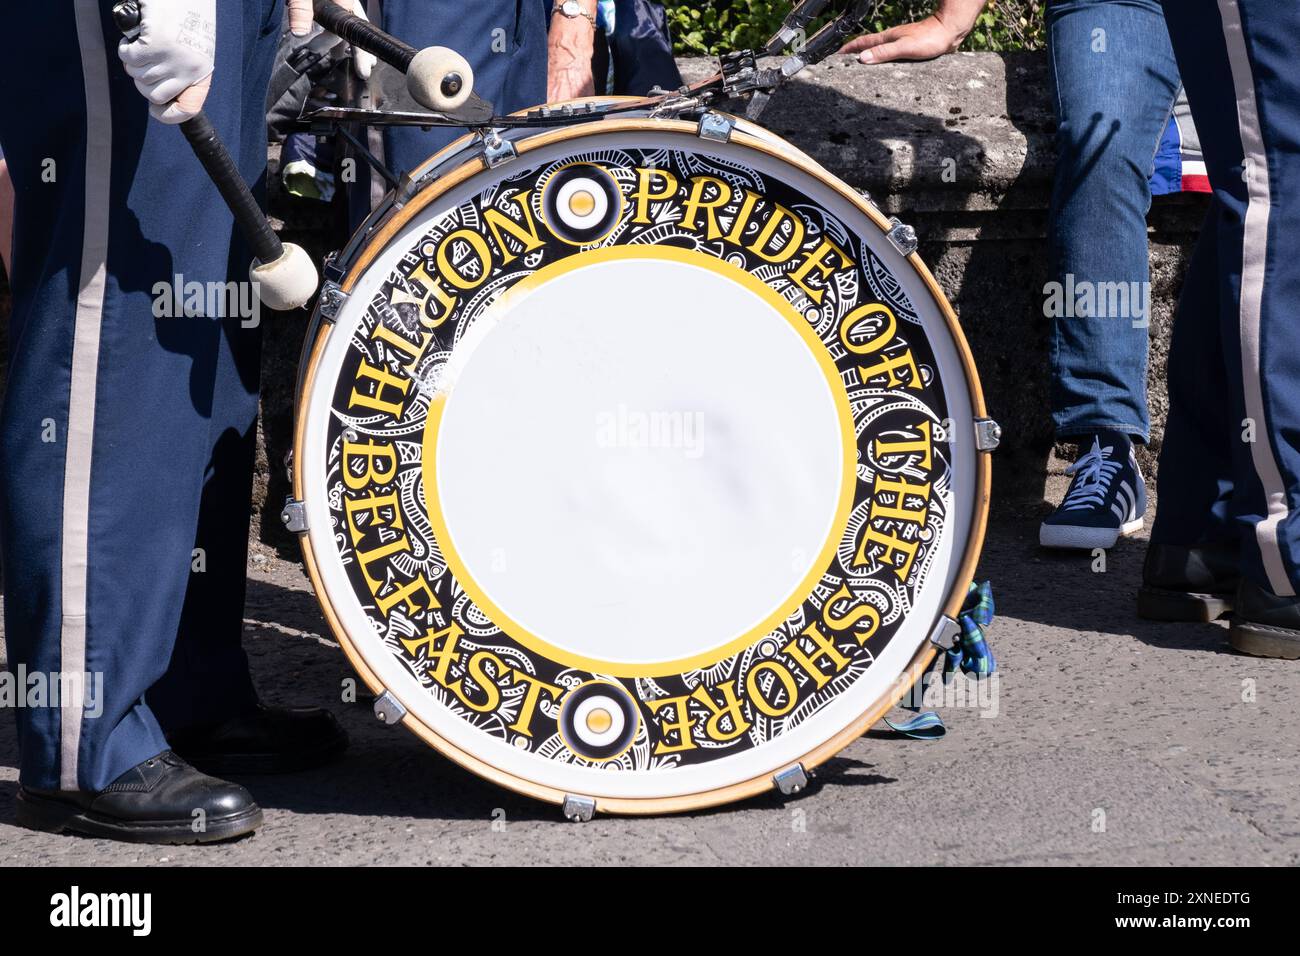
(1264, 624)
(264, 740)
(157, 801)
(1187, 584)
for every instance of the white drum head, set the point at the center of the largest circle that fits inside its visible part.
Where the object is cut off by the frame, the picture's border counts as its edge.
(638, 468)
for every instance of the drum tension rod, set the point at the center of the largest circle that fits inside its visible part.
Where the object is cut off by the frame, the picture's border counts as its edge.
(578, 809)
(389, 709)
(988, 434)
(332, 299)
(791, 780)
(294, 516)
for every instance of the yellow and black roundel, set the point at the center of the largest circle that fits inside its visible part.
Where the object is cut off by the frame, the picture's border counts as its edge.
(598, 721)
(582, 203)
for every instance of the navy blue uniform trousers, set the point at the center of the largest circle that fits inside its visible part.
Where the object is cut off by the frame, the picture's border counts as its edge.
(126, 439)
(1230, 465)
(504, 42)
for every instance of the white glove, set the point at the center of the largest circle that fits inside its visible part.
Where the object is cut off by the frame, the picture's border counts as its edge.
(300, 21)
(171, 60)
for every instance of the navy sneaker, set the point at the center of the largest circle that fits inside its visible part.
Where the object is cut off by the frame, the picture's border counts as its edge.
(1106, 500)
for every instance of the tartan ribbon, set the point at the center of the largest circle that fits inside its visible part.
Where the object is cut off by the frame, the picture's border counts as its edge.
(970, 654)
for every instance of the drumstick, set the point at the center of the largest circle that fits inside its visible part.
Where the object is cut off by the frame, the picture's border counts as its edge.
(438, 78)
(283, 273)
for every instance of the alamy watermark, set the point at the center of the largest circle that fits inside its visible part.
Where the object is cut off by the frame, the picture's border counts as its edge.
(38, 689)
(626, 427)
(1084, 299)
(181, 298)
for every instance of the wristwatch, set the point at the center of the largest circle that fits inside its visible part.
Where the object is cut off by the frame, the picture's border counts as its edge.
(572, 9)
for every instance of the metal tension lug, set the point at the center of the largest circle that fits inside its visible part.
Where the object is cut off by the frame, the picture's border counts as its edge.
(389, 709)
(294, 516)
(496, 149)
(716, 127)
(332, 298)
(988, 434)
(578, 809)
(901, 236)
(945, 632)
(791, 780)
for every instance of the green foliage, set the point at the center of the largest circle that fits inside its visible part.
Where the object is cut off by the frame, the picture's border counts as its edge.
(702, 27)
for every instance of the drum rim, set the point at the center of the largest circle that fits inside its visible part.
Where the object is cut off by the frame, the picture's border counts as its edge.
(385, 232)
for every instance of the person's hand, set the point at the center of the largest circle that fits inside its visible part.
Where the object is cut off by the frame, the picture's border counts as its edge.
(570, 46)
(922, 40)
(171, 59)
(301, 19)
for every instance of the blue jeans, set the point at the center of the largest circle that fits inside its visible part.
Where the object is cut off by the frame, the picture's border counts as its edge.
(1115, 81)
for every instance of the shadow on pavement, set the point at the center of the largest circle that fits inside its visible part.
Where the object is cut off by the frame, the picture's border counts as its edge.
(1077, 591)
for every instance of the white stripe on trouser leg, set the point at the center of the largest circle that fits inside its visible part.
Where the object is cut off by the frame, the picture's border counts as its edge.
(85, 365)
(1254, 252)
(374, 134)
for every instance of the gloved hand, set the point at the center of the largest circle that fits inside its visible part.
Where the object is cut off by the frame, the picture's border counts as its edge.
(301, 18)
(171, 59)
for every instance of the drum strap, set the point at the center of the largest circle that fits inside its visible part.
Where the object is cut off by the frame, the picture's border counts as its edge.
(971, 654)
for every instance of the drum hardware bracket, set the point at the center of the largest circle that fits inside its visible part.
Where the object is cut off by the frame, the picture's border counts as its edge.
(901, 236)
(716, 127)
(945, 633)
(294, 516)
(496, 149)
(389, 709)
(988, 434)
(330, 268)
(332, 299)
(791, 780)
(578, 809)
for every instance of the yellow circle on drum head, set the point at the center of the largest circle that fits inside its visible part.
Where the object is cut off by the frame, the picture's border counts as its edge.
(582, 203)
(599, 721)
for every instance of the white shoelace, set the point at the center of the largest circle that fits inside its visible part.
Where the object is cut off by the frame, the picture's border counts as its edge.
(1093, 474)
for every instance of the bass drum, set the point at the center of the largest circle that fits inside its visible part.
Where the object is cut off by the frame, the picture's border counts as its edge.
(637, 469)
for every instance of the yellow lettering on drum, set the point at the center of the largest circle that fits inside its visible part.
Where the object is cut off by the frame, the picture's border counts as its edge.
(420, 274)
(697, 203)
(528, 706)
(367, 558)
(890, 366)
(477, 670)
(414, 351)
(875, 342)
(680, 725)
(817, 259)
(759, 246)
(759, 699)
(481, 251)
(823, 649)
(902, 489)
(850, 619)
(403, 594)
(525, 233)
(384, 381)
(440, 657)
(646, 193)
(372, 505)
(370, 451)
(730, 707)
(893, 545)
(923, 445)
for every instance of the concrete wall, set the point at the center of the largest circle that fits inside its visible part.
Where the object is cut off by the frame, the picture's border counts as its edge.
(891, 131)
